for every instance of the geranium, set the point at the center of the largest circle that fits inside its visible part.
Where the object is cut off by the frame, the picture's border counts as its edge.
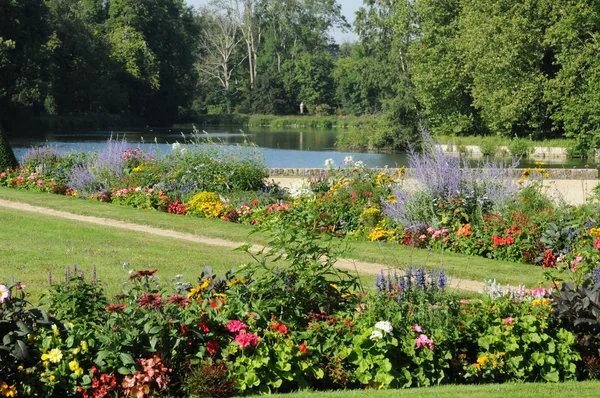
(423, 341)
(4, 293)
(280, 327)
(204, 327)
(508, 321)
(376, 334)
(417, 328)
(385, 326)
(246, 339)
(212, 347)
(597, 243)
(302, 348)
(236, 326)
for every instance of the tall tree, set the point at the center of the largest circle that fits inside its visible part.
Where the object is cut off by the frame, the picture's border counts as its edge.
(24, 35)
(219, 41)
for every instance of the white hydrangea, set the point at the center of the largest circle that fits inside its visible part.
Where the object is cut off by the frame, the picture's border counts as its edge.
(385, 326)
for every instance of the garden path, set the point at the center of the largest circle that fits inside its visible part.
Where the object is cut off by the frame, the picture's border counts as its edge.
(346, 263)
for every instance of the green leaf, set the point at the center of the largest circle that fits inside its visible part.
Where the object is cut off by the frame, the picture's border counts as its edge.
(126, 358)
(20, 351)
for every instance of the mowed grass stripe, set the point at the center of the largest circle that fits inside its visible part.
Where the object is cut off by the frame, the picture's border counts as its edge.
(31, 245)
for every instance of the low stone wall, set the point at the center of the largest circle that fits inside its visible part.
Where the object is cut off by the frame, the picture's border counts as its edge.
(538, 152)
(555, 174)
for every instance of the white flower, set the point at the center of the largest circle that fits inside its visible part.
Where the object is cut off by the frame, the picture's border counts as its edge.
(176, 147)
(348, 160)
(329, 163)
(296, 191)
(4, 293)
(376, 334)
(360, 164)
(385, 326)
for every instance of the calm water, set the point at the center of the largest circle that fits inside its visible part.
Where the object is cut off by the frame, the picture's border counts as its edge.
(280, 148)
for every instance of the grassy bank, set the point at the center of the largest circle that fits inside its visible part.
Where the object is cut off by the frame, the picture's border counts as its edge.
(310, 121)
(389, 255)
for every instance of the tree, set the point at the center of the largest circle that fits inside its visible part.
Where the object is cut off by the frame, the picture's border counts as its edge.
(24, 34)
(218, 43)
(309, 78)
(7, 156)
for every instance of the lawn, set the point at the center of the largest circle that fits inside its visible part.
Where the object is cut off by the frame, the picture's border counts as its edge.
(513, 390)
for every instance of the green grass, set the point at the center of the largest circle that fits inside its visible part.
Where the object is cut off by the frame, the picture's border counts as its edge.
(392, 255)
(501, 141)
(513, 390)
(312, 121)
(34, 244)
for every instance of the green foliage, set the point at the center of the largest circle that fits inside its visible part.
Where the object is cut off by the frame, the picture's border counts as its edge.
(7, 156)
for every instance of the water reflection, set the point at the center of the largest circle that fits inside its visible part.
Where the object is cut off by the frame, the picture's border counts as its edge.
(280, 147)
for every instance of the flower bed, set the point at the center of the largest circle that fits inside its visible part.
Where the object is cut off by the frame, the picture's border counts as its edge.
(307, 325)
(485, 211)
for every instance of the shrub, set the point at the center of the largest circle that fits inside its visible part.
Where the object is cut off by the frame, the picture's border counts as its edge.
(7, 156)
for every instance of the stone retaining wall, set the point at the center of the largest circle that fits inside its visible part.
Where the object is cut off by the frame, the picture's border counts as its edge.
(555, 174)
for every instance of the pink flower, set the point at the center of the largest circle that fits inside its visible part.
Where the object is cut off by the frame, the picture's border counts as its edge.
(246, 339)
(508, 321)
(236, 326)
(423, 237)
(423, 341)
(597, 243)
(430, 230)
(417, 329)
(2, 175)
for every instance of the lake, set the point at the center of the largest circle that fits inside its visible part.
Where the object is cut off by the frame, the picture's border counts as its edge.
(281, 148)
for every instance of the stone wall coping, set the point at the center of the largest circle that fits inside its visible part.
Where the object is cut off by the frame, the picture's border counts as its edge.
(555, 174)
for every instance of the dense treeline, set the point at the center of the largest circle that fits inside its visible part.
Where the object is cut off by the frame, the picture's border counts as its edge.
(509, 68)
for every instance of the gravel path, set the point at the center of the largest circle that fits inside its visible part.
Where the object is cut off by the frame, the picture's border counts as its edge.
(360, 266)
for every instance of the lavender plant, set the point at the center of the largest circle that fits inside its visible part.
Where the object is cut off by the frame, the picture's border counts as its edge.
(101, 171)
(441, 179)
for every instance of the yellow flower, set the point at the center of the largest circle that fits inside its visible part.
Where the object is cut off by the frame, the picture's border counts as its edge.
(55, 355)
(333, 285)
(539, 163)
(8, 391)
(52, 377)
(481, 361)
(502, 353)
(76, 351)
(526, 173)
(545, 301)
(84, 346)
(520, 181)
(402, 171)
(392, 199)
(44, 357)
(236, 281)
(55, 329)
(222, 295)
(73, 365)
(20, 368)
(79, 372)
(199, 288)
(536, 302)
(45, 364)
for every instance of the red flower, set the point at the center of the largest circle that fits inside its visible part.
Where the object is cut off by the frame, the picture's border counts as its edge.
(179, 300)
(151, 300)
(115, 307)
(302, 348)
(280, 327)
(204, 327)
(141, 274)
(212, 347)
